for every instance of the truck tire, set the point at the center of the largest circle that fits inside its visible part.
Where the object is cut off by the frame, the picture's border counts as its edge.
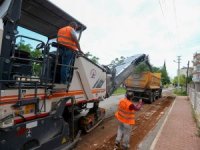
(160, 93)
(151, 97)
(156, 95)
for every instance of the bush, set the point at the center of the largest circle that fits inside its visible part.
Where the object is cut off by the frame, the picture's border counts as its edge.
(119, 91)
(166, 86)
(180, 92)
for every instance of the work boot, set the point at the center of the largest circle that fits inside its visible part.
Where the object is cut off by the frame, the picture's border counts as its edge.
(124, 147)
(117, 146)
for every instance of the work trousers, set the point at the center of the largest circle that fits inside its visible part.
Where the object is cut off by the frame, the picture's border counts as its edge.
(124, 133)
(68, 58)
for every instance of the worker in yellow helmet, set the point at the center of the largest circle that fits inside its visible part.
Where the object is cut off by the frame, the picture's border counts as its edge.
(125, 115)
(67, 37)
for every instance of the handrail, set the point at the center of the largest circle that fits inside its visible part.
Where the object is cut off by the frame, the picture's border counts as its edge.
(28, 38)
(34, 60)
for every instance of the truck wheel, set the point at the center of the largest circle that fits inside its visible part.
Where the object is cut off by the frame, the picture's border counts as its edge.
(156, 96)
(160, 93)
(151, 97)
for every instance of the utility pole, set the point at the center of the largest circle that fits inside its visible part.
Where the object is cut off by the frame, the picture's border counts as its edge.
(179, 61)
(178, 72)
(187, 76)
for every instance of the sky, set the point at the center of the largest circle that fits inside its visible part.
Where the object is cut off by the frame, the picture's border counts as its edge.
(162, 29)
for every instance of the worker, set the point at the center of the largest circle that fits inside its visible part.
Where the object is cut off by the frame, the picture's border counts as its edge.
(125, 116)
(67, 37)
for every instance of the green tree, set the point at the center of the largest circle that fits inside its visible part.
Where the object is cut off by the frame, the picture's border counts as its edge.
(164, 75)
(182, 80)
(92, 57)
(24, 47)
(35, 54)
(189, 79)
(117, 61)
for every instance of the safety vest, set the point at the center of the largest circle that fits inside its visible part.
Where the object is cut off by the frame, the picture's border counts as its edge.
(65, 38)
(123, 113)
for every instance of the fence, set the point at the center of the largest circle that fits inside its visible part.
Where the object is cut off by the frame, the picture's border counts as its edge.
(195, 100)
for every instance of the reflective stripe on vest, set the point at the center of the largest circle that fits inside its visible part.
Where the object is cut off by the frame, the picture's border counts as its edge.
(64, 37)
(125, 112)
(125, 117)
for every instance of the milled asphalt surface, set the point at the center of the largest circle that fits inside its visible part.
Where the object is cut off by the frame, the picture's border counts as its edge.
(149, 139)
(110, 104)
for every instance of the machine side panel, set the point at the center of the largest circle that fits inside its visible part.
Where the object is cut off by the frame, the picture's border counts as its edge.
(91, 77)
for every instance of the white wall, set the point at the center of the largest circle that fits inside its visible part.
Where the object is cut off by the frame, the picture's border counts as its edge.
(195, 100)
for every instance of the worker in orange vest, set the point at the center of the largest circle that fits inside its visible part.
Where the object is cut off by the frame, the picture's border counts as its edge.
(67, 37)
(125, 116)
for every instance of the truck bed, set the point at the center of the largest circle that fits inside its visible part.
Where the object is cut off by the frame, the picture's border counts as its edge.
(145, 80)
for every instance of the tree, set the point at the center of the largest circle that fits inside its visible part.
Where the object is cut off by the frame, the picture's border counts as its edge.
(164, 75)
(92, 57)
(189, 79)
(182, 80)
(24, 47)
(36, 66)
(117, 61)
(36, 53)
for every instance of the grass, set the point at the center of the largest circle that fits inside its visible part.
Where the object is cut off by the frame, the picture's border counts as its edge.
(119, 91)
(180, 92)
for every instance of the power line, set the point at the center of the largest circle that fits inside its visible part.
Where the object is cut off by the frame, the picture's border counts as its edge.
(174, 7)
(161, 8)
(176, 24)
(164, 2)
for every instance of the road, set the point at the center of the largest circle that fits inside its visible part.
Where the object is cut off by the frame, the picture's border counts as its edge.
(103, 136)
(110, 104)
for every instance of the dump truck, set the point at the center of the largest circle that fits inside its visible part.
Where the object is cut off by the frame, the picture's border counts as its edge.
(145, 85)
(36, 110)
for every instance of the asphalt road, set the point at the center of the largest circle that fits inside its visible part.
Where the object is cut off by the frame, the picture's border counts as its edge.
(107, 129)
(110, 104)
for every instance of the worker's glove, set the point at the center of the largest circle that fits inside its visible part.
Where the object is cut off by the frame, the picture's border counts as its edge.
(141, 102)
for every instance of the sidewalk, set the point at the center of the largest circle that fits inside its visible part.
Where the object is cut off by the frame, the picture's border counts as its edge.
(180, 131)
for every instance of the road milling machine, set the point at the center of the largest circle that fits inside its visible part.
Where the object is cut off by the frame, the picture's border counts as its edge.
(36, 111)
